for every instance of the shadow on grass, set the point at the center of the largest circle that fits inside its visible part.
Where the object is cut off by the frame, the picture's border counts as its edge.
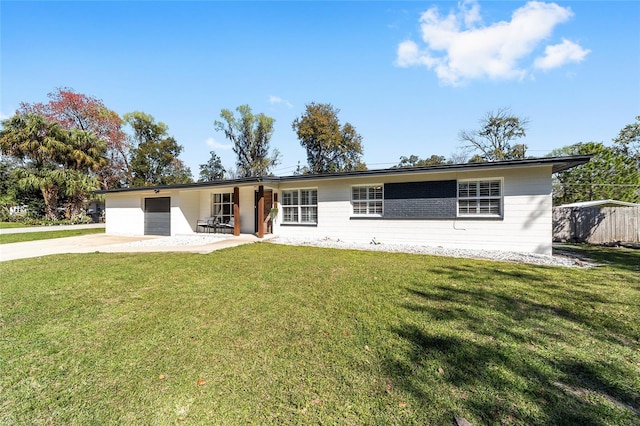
(521, 358)
(615, 257)
(499, 385)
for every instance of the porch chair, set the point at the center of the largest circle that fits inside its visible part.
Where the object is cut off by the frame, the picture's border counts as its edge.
(229, 225)
(208, 223)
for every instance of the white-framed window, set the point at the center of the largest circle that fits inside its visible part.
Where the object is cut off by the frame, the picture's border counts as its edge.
(222, 207)
(300, 206)
(367, 200)
(480, 197)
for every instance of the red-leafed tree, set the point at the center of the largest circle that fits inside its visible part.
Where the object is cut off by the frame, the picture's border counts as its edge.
(78, 111)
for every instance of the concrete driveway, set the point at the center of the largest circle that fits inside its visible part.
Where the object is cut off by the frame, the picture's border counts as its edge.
(113, 244)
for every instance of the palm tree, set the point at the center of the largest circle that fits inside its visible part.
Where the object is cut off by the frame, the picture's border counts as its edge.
(55, 160)
(47, 180)
(86, 151)
(31, 137)
(77, 188)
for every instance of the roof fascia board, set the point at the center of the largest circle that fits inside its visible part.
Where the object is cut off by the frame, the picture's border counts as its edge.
(212, 184)
(558, 164)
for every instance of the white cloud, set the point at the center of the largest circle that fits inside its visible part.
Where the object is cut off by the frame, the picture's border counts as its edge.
(471, 12)
(459, 48)
(273, 100)
(557, 55)
(211, 142)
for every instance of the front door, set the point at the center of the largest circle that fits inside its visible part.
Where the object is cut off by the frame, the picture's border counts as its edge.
(268, 203)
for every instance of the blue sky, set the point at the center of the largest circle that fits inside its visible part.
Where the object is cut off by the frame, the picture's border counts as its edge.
(408, 75)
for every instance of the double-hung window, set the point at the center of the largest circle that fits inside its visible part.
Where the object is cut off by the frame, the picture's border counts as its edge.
(300, 206)
(222, 207)
(367, 200)
(480, 198)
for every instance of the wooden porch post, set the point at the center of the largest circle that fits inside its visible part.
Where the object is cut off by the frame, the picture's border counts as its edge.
(260, 211)
(236, 211)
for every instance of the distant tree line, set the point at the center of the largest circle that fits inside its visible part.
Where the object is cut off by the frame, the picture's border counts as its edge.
(612, 173)
(55, 154)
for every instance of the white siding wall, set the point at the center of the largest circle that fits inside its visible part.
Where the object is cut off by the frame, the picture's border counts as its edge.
(525, 227)
(125, 211)
(204, 204)
(124, 214)
(185, 207)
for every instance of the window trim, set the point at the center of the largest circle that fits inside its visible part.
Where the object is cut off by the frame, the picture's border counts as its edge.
(221, 216)
(299, 206)
(478, 197)
(367, 215)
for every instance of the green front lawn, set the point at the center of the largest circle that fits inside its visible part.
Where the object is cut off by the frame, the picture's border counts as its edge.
(9, 225)
(270, 334)
(45, 235)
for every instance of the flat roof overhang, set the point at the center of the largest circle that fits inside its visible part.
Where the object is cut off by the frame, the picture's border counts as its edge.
(557, 164)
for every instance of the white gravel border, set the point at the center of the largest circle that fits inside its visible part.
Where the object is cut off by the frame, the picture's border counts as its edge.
(178, 241)
(561, 259)
(535, 259)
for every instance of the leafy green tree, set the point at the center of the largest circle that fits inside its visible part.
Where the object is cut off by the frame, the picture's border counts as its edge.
(415, 161)
(154, 154)
(77, 187)
(77, 111)
(212, 169)
(609, 175)
(12, 195)
(493, 141)
(628, 141)
(477, 158)
(178, 173)
(53, 159)
(8, 186)
(33, 138)
(250, 135)
(48, 180)
(331, 147)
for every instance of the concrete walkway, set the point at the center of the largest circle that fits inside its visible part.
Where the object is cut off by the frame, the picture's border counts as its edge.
(111, 244)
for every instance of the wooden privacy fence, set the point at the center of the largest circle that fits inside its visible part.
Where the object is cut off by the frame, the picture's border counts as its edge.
(596, 225)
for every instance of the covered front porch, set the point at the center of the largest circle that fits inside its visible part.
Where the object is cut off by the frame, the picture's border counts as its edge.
(242, 209)
(241, 206)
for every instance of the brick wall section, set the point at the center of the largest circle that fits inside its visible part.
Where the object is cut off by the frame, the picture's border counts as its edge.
(420, 200)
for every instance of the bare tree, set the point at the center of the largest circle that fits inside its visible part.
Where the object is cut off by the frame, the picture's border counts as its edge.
(459, 157)
(494, 140)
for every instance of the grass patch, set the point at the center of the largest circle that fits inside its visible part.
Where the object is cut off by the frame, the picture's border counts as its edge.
(272, 334)
(9, 225)
(46, 235)
(619, 258)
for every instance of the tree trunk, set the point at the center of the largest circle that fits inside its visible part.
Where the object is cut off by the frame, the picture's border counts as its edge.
(50, 196)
